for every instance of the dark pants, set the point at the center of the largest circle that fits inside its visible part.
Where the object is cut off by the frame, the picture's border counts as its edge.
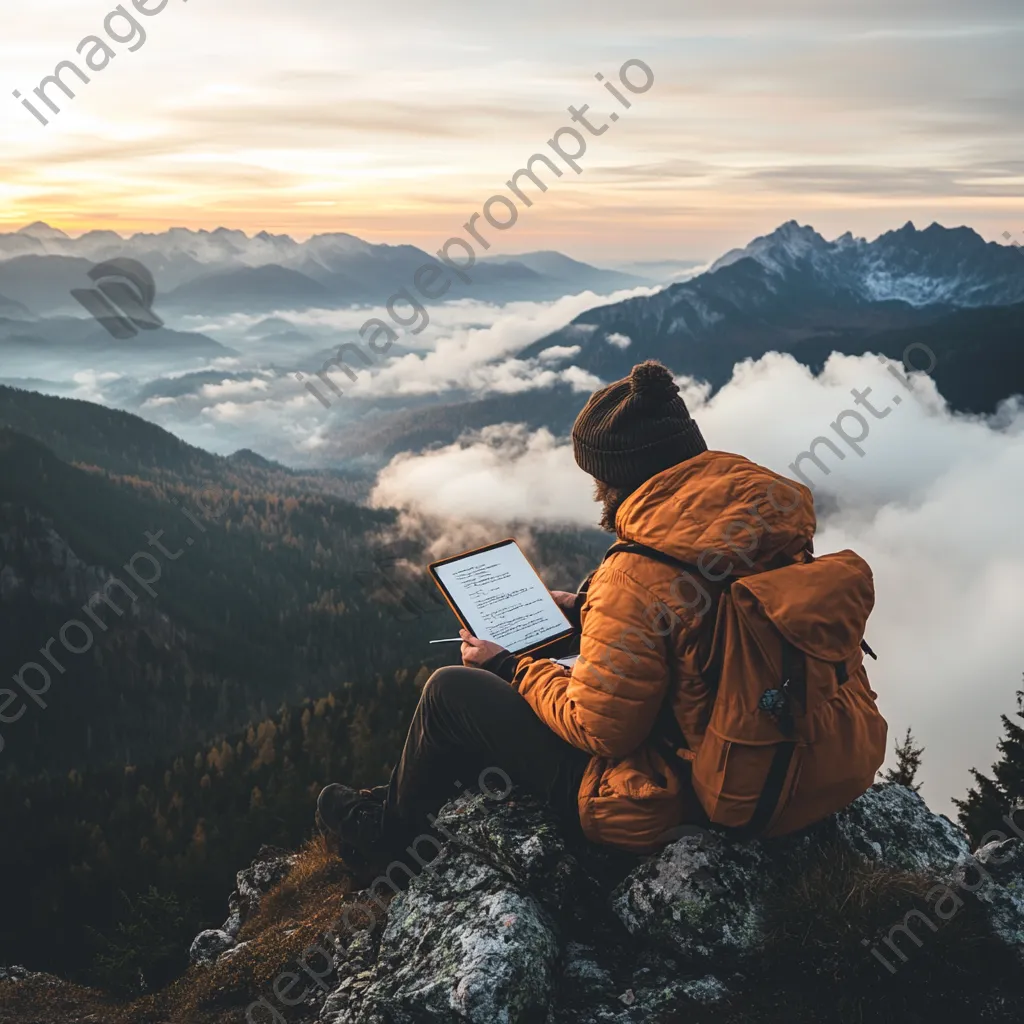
(472, 730)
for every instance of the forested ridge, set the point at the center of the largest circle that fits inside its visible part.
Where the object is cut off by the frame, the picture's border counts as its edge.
(282, 647)
(259, 605)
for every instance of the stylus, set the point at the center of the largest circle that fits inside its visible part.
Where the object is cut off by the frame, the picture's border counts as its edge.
(449, 640)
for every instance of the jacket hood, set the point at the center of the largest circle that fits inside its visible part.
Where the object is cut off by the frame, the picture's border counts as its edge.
(721, 504)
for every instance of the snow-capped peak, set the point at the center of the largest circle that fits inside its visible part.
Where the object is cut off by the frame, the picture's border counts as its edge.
(939, 265)
(783, 248)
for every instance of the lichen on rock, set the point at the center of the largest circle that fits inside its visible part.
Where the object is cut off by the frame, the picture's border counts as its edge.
(464, 943)
(995, 875)
(254, 882)
(893, 824)
(700, 896)
(705, 894)
(209, 945)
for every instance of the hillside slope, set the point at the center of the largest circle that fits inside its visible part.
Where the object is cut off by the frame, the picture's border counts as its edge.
(260, 603)
(160, 606)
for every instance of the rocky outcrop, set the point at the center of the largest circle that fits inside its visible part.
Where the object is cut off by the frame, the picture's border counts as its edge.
(700, 896)
(209, 944)
(468, 946)
(704, 895)
(15, 973)
(253, 883)
(511, 923)
(997, 880)
(474, 937)
(893, 825)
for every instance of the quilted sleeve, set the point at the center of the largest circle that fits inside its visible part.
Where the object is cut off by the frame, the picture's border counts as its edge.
(608, 704)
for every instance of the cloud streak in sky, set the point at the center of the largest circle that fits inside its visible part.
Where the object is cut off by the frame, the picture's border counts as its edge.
(833, 112)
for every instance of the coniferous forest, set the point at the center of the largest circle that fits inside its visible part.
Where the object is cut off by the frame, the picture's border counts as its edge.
(283, 647)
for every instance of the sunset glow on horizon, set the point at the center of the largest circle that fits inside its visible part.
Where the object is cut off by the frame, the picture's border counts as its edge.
(396, 123)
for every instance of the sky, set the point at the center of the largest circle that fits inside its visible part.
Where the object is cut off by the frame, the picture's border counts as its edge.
(396, 121)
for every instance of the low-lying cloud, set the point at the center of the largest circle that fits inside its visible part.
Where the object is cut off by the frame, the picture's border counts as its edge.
(251, 399)
(501, 474)
(478, 357)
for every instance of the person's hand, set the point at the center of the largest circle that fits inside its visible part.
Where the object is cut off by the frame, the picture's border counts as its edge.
(564, 600)
(476, 653)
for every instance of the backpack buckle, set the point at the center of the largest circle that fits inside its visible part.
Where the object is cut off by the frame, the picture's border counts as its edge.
(775, 703)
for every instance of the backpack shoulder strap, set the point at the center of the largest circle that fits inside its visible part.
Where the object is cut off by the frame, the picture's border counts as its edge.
(647, 552)
(667, 733)
(633, 547)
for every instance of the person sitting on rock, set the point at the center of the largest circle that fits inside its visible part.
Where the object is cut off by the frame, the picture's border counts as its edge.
(605, 743)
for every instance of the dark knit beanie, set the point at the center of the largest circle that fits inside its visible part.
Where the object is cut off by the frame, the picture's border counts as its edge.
(633, 429)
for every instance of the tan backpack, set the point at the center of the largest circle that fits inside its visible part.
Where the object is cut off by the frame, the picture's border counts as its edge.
(794, 733)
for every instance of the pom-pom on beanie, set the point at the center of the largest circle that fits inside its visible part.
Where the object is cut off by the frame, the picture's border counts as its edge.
(633, 429)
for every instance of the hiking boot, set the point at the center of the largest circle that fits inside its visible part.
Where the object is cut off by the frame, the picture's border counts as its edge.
(355, 818)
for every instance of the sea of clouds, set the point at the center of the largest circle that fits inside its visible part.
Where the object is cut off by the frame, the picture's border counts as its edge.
(248, 395)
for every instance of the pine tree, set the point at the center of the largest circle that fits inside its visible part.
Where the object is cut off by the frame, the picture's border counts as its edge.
(985, 806)
(908, 763)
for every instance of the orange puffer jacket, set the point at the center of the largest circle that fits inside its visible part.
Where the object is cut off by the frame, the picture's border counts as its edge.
(646, 634)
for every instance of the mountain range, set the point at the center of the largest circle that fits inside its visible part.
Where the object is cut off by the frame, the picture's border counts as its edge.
(286, 641)
(792, 286)
(224, 271)
(790, 291)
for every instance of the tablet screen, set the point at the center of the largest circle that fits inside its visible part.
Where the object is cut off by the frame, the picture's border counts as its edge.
(499, 595)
